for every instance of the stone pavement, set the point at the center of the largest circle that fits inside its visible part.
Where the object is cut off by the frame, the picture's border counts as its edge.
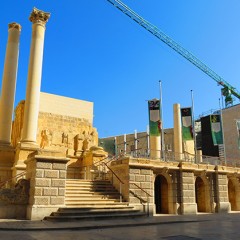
(27, 225)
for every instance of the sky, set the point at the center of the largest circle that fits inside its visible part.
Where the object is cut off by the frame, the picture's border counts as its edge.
(94, 52)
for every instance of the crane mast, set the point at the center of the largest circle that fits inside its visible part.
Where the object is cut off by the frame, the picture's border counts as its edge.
(227, 89)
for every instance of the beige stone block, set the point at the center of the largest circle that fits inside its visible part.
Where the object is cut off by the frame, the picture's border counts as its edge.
(44, 165)
(61, 192)
(134, 171)
(145, 185)
(58, 183)
(57, 200)
(50, 191)
(188, 193)
(41, 200)
(222, 182)
(145, 171)
(148, 178)
(51, 174)
(132, 177)
(59, 166)
(188, 180)
(43, 182)
(140, 178)
(37, 191)
(39, 173)
(62, 174)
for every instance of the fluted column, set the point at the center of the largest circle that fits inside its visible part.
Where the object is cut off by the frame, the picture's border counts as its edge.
(9, 83)
(177, 132)
(39, 20)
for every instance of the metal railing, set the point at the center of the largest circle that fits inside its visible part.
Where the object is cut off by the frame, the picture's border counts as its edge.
(112, 180)
(148, 195)
(171, 156)
(10, 182)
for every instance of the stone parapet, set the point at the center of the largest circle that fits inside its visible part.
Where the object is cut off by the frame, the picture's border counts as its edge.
(47, 189)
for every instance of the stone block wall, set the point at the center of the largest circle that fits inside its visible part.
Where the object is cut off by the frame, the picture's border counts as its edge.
(144, 179)
(188, 202)
(223, 204)
(47, 176)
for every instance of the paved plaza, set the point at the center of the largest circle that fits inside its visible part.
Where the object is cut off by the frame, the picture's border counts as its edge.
(204, 226)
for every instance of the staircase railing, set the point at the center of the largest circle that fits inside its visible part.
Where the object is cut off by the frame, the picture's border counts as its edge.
(148, 195)
(120, 181)
(8, 182)
(88, 171)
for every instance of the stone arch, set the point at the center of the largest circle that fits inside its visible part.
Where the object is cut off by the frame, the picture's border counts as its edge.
(202, 195)
(234, 194)
(163, 194)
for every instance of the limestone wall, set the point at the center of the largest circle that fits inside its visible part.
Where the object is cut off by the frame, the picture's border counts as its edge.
(47, 176)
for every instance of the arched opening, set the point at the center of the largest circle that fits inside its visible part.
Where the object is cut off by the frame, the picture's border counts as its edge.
(161, 194)
(232, 195)
(200, 193)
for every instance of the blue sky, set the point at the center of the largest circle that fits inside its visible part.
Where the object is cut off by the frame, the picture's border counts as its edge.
(94, 52)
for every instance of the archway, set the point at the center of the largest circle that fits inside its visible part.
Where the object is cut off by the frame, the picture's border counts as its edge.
(200, 193)
(161, 194)
(232, 195)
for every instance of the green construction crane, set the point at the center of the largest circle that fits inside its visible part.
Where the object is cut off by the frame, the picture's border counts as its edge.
(227, 90)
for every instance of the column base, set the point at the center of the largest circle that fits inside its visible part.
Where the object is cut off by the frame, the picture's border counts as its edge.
(223, 207)
(189, 208)
(23, 150)
(7, 154)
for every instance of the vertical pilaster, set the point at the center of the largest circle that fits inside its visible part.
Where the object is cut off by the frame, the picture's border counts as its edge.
(9, 83)
(221, 188)
(187, 185)
(39, 20)
(177, 131)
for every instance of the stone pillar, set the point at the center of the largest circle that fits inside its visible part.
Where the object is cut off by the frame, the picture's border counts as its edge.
(39, 19)
(47, 173)
(187, 181)
(177, 132)
(221, 190)
(9, 83)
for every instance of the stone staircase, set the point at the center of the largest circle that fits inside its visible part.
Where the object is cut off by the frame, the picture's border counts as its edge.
(92, 200)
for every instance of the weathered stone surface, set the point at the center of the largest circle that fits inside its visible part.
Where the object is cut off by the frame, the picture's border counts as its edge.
(50, 191)
(51, 174)
(44, 165)
(43, 182)
(57, 200)
(58, 183)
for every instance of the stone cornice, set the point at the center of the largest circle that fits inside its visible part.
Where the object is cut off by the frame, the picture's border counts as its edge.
(14, 25)
(38, 16)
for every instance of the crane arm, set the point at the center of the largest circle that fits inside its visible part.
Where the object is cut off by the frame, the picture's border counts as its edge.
(175, 46)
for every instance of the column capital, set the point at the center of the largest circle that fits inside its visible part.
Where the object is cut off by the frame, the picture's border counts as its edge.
(38, 16)
(14, 25)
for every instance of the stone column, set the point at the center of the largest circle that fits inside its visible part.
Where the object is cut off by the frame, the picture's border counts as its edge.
(155, 147)
(177, 131)
(39, 19)
(9, 83)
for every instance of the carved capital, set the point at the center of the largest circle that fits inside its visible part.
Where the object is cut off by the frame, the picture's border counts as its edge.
(38, 16)
(14, 25)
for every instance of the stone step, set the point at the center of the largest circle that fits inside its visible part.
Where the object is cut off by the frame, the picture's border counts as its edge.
(102, 216)
(93, 204)
(124, 205)
(93, 196)
(82, 212)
